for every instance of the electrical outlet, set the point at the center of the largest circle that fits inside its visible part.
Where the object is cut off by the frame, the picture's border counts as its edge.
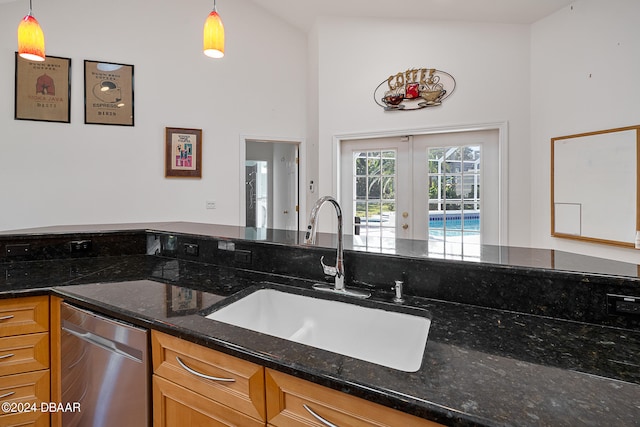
(211, 204)
(80, 246)
(224, 245)
(623, 305)
(191, 249)
(18, 249)
(243, 256)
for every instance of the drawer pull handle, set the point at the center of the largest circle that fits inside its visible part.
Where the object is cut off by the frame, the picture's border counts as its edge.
(201, 375)
(6, 356)
(7, 394)
(11, 316)
(318, 417)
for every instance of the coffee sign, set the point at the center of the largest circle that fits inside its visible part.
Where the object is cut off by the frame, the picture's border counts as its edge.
(414, 89)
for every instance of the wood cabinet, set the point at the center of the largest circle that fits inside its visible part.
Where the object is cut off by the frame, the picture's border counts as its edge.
(192, 382)
(293, 402)
(195, 385)
(24, 359)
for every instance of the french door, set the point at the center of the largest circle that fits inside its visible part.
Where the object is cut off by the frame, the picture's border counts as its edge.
(438, 187)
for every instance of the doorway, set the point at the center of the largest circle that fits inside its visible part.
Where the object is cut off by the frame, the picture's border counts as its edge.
(270, 183)
(443, 187)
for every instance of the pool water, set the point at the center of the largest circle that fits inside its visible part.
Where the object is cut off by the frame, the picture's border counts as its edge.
(470, 223)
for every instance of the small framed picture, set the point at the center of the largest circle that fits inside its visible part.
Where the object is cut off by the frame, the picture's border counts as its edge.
(182, 301)
(108, 93)
(183, 153)
(43, 89)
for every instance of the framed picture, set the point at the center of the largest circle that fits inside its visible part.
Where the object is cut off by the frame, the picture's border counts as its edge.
(183, 153)
(182, 301)
(108, 93)
(43, 89)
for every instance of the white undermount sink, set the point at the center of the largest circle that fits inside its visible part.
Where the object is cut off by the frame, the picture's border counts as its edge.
(389, 338)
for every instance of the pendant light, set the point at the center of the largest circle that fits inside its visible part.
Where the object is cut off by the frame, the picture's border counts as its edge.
(213, 35)
(30, 38)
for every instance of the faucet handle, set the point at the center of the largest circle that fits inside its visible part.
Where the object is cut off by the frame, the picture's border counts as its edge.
(328, 269)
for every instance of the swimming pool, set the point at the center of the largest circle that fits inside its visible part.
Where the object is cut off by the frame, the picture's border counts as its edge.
(455, 222)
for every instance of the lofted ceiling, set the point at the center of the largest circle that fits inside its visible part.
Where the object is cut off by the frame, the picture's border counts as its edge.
(303, 13)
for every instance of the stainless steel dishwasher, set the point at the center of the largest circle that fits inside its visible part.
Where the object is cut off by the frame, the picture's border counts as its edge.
(105, 369)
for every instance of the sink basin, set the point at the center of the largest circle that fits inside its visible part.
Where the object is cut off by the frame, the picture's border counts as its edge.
(373, 333)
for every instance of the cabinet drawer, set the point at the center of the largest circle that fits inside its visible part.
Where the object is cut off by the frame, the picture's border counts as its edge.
(175, 406)
(24, 315)
(24, 353)
(32, 387)
(287, 397)
(244, 393)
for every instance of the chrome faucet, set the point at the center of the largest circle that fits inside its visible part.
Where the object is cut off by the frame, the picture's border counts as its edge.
(338, 271)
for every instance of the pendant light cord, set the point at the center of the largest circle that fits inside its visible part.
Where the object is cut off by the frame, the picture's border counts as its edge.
(31, 7)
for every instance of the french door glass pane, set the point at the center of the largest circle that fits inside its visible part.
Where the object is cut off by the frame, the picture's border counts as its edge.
(375, 193)
(453, 197)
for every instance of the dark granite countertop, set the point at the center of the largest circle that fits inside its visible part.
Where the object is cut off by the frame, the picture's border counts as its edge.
(481, 366)
(506, 256)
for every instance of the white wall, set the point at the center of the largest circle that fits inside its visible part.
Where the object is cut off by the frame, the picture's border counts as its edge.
(574, 71)
(489, 62)
(584, 77)
(54, 173)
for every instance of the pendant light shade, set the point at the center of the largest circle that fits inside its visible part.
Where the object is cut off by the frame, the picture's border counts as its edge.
(213, 35)
(30, 38)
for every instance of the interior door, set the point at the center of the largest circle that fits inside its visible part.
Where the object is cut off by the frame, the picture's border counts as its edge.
(271, 186)
(285, 187)
(251, 194)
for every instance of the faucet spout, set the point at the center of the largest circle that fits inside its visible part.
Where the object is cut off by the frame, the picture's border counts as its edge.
(310, 238)
(338, 271)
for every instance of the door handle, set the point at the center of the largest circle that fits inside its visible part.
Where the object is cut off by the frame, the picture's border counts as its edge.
(405, 226)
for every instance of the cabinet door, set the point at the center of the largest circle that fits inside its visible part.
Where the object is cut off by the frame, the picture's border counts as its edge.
(176, 406)
(24, 315)
(24, 353)
(292, 402)
(30, 388)
(188, 364)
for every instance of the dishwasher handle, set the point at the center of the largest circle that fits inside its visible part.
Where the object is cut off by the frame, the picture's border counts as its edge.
(102, 342)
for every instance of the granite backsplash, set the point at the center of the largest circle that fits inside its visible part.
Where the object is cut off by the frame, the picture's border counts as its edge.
(571, 295)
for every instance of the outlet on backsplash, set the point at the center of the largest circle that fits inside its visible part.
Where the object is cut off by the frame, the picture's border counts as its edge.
(18, 249)
(191, 249)
(243, 256)
(80, 246)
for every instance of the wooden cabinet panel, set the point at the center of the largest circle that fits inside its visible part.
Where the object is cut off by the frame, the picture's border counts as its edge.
(176, 406)
(246, 392)
(24, 359)
(27, 419)
(24, 315)
(24, 353)
(291, 401)
(31, 388)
